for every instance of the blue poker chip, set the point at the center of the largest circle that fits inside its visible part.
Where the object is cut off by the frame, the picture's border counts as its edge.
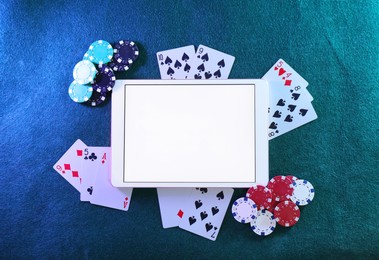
(264, 223)
(97, 98)
(80, 93)
(84, 72)
(125, 52)
(104, 80)
(99, 52)
(303, 192)
(244, 210)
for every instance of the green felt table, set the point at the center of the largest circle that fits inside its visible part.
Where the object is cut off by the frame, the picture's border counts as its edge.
(332, 44)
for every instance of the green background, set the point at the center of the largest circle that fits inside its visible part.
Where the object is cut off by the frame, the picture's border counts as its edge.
(332, 44)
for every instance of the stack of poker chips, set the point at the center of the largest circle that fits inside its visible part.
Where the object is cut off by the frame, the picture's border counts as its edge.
(94, 76)
(278, 203)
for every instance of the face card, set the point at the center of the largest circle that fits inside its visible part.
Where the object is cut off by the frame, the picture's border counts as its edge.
(211, 64)
(176, 63)
(287, 111)
(170, 205)
(204, 211)
(69, 165)
(103, 193)
(95, 159)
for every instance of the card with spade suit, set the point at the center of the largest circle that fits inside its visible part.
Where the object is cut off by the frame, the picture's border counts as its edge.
(204, 211)
(176, 63)
(288, 110)
(211, 64)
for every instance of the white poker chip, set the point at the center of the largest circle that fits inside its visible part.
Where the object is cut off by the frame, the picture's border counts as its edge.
(244, 210)
(84, 72)
(303, 192)
(263, 223)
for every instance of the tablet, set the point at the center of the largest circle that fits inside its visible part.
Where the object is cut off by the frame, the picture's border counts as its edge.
(190, 133)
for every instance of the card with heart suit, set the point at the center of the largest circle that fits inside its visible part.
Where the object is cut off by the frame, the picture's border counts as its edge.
(95, 159)
(204, 211)
(104, 193)
(288, 110)
(211, 64)
(176, 63)
(70, 165)
(170, 204)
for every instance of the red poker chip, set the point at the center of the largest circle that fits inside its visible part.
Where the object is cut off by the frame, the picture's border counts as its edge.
(287, 213)
(281, 188)
(260, 195)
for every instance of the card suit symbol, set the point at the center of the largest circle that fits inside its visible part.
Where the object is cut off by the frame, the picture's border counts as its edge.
(273, 125)
(86, 157)
(203, 190)
(288, 118)
(203, 215)
(288, 82)
(295, 96)
(220, 195)
(102, 161)
(198, 204)
(162, 63)
(303, 111)
(205, 57)
(215, 228)
(281, 103)
(79, 152)
(281, 71)
(221, 63)
(291, 108)
(180, 213)
(177, 64)
(208, 226)
(187, 68)
(208, 75)
(277, 131)
(92, 157)
(170, 71)
(276, 68)
(185, 57)
(197, 76)
(75, 174)
(277, 114)
(126, 199)
(192, 220)
(201, 67)
(66, 167)
(168, 61)
(90, 189)
(217, 74)
(215, 210)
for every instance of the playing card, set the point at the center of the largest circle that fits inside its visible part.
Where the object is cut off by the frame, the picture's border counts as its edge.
(211, 64)
(170, 205)
(95, 159)
(69, 165)
(204, 211)
(288, 110)
(176, 63)
(103, 193)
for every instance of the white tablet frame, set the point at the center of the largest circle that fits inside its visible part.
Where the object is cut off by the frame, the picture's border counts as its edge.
(259, 173)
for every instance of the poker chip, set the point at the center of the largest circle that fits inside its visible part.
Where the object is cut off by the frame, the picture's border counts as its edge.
(287, 213)
(99, 52)
(243, 210)
(260, 195)
(263, 223)
(104, 80)
(292, 178)
(281, 188)
(115, 66)
(79, 93)
(84, 72)
(303, 192)
(97, 98)
(125, 52)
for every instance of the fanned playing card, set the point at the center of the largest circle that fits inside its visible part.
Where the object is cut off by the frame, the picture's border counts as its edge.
(70, 165)
(211, 64)
(171, 203)
(104, 193)
(176, 63)
(204, 211)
